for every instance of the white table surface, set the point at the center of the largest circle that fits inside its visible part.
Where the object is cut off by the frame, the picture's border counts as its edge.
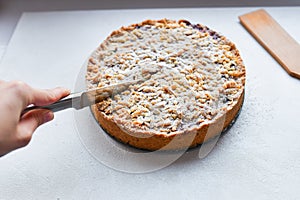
(258, 158)
(11, 11)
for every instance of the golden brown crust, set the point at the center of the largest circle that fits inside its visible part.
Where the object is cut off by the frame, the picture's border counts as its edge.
(180, 139)
(183, 140)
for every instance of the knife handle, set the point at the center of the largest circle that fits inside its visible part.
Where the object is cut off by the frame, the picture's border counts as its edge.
(70, 101)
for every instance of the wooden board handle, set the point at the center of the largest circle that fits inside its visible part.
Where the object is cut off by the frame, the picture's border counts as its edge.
(274, 39)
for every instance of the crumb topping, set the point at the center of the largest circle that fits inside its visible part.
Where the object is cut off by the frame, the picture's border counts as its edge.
(196, 75)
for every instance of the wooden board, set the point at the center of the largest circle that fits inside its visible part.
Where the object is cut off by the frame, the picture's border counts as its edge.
(274, 39)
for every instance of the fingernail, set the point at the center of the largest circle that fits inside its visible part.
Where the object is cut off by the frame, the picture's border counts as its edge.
(60, 90)
(48, 116)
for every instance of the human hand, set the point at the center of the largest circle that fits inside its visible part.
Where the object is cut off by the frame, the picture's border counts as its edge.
(16, 130)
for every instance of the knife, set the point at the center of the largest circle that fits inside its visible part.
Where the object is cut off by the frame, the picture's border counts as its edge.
(83, 99)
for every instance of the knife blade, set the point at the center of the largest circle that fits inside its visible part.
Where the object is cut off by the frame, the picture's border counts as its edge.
(83, 99)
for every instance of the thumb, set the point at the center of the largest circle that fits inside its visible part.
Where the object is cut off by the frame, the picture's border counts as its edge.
(30, 122)
(41, 97)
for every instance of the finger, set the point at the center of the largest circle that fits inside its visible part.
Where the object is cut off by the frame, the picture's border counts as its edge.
(16, 95)
(45, 97)
(30, 122)
(39, 97)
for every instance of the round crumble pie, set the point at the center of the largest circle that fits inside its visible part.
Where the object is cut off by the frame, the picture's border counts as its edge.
(195, 89)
